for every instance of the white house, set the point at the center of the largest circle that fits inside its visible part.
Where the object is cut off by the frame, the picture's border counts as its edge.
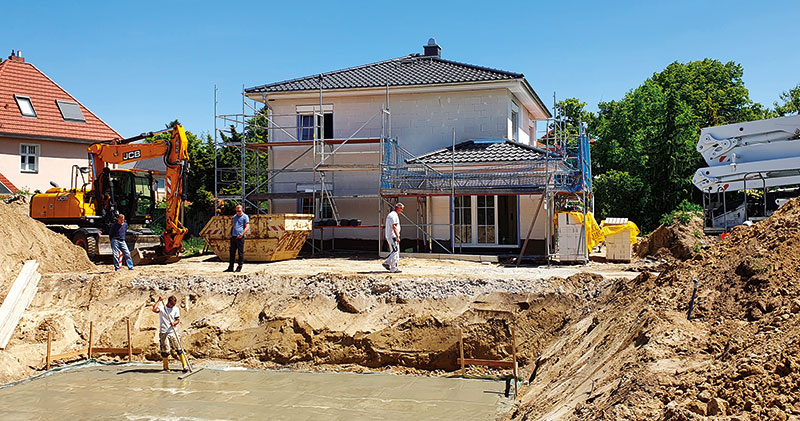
(425, 104)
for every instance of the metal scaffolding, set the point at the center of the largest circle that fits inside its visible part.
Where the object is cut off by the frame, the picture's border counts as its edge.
(561, 173)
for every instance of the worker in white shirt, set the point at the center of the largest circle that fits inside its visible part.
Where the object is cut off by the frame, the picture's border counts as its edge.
(169, 315)
(393, 238)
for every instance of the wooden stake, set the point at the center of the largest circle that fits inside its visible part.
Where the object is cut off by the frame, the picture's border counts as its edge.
(91, 333)
(514, 358)
(130, 346)
(49, 341)
(461, 349)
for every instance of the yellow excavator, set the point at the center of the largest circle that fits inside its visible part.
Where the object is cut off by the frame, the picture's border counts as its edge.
(86, 210)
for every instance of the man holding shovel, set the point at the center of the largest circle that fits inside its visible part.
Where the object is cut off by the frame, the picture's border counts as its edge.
(170, 316)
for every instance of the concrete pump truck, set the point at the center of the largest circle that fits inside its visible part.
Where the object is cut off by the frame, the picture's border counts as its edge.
(85, 211)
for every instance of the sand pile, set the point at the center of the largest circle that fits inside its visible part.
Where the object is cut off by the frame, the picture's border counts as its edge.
(22, 238)
(679, 241)
(737, 358)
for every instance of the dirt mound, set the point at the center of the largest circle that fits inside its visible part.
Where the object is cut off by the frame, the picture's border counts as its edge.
(24, 238)
(679, 241)
(737, 356)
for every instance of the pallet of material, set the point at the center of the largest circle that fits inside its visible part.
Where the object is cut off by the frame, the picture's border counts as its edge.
(18, 299)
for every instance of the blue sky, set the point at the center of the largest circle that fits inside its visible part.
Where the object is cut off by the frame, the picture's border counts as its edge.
(139, 65)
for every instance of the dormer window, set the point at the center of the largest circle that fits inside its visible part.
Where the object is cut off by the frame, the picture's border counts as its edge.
(71, 111)
(25, 106)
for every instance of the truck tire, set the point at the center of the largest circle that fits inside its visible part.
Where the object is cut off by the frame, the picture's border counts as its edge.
(86, 241)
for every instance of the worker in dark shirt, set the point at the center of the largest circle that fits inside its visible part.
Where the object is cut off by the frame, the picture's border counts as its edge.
(118, 244)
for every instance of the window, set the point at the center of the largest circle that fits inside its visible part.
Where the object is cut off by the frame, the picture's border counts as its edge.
(310, 122)
(28, 157)
(71, 111)
(514, 122)
(306, 205)
(144, 201)
(463, 219)
(476, 220)
(25, 106)
(486, 222)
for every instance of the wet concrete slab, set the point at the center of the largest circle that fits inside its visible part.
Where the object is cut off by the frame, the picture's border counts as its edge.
(142, 392)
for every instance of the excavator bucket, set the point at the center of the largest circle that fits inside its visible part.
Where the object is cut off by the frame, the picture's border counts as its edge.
(152, 255)
(272, 237)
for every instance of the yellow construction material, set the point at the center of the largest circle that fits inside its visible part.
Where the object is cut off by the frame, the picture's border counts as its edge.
(272, 237)
(594, 235)
(609, 230)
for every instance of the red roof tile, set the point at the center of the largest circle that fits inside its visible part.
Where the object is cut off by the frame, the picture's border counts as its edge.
(11, 187)
(20, 78)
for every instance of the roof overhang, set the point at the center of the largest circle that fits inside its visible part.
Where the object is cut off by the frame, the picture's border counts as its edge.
(519, 87)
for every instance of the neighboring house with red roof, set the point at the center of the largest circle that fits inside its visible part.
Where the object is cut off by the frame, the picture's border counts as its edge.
(44, 130)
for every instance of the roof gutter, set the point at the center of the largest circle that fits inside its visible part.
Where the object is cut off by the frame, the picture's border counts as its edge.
(25, 136)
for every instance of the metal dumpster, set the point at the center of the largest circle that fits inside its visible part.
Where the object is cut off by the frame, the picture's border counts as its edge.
(272, 237)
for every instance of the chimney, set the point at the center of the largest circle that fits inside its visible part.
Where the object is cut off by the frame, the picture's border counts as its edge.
(15, 56)
(432, 49)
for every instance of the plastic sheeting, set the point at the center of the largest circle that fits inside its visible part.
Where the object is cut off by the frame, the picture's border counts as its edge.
(609, 230)
(594, 235)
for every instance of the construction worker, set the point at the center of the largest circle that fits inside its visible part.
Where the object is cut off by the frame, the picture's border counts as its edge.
(118, 245)
(170, 316)
(240, 228)
(393, 238)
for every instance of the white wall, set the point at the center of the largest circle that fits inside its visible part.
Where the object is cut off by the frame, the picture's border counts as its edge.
(421, 122)
(527, 210)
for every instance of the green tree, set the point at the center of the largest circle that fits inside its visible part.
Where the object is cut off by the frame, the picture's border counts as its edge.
(571, 114)
(652, 132)
(790, 102)
(622, 194)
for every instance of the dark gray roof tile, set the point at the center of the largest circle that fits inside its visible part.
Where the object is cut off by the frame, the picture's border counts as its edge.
(484, 151)
(409, 70)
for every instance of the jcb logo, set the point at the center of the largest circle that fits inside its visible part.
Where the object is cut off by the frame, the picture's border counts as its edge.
(131, 155)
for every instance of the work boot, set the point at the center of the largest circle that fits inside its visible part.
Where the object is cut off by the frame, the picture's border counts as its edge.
(239, 268)
(229, 269)
(165, 362)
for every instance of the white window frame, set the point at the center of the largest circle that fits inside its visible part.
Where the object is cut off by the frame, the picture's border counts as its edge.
(26, 154)
(17, 98)
(317, 120)
(514, 117)
(474, 222)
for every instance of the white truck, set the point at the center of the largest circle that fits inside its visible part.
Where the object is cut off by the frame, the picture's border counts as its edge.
(759, 155)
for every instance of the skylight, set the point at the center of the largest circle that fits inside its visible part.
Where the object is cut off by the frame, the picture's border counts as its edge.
(25, 106)
(71, 111)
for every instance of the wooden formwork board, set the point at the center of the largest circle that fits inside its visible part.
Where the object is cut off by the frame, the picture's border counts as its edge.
(272, 237)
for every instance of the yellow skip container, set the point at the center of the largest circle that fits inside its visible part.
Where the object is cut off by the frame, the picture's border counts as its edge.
(271, 238)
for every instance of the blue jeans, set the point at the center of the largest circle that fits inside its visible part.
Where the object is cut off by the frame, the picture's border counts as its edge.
(118, 246)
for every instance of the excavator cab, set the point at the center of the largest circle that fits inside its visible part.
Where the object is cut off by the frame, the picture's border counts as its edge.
(129, 193)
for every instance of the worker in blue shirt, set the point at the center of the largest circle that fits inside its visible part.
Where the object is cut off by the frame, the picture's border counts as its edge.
(118, 245)
(240, 228)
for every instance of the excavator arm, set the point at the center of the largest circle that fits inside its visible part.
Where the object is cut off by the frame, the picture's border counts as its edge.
(175, 153)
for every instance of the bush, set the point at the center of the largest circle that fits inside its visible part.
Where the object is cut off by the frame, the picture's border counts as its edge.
(682, 214)
(193, 246)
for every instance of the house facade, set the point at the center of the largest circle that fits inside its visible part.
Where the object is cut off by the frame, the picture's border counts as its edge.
(44, 131)
(446, 116)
